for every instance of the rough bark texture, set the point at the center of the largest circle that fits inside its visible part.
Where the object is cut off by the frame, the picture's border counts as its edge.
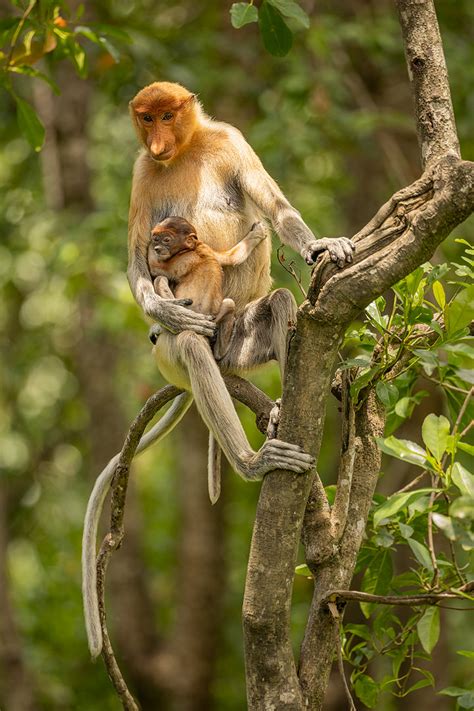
(403, 234)
(429, 76)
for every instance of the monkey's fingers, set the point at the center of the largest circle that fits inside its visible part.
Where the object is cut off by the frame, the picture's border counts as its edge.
(180, 302)
(258, 230)
(289, 455)
(340, 250)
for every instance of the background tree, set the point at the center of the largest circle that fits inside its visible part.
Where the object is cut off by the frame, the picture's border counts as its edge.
(71, 328)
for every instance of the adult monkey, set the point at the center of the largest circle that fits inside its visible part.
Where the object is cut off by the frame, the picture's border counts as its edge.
(206, 172)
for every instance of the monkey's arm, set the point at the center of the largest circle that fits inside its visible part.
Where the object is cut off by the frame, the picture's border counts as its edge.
(242, 249)
(170, 313)
(162, 287)
(94, 510)
(286, 221)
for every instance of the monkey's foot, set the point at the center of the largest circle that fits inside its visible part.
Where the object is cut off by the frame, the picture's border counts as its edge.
(275, 454)
(274, 419)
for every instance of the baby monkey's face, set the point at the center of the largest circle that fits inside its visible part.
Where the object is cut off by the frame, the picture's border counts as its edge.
(172, 236)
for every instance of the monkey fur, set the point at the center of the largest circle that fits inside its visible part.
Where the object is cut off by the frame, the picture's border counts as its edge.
(178, 258)
(205, 171)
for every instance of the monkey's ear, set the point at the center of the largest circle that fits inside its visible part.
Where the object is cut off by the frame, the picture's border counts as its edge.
(191, 240)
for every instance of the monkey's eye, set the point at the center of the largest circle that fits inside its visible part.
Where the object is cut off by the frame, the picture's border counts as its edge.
(167, 116)
(147, 118)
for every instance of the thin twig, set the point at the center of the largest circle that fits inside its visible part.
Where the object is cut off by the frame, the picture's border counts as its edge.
(434, 482)
(18, 30)
(431, 548)
(409, 600)
(239, 389)
(290, 269)
(463, 410)
(412, 483)
(114, 537)
(340, 664)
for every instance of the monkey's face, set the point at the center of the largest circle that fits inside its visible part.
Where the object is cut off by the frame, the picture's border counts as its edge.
(164, 116)
(172, 236)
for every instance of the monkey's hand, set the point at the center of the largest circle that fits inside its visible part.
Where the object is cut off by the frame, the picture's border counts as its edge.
(258, 231)
(172, 315)
(340, 250)
(275, 454)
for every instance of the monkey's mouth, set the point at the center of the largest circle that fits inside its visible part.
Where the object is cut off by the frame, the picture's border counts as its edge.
(162, 252)
(163, 157)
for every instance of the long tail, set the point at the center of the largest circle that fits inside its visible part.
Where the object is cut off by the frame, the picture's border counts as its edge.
(92, 517)
(214, 469)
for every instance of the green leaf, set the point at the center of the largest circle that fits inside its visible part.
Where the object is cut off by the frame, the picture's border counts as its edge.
(452, 690)
(395, 503)
(31, 72)
(377, 578)
(438, 293)
(30, 124)
(421, 553)
(276, 36)
(429, 360)
(462, 508)
(405, 530)
(291, 9)
(383, 539)
(463, 479)
(445, 524)
(428, 628)
(87, 32)
(402, 408)
(460, 312)
(366, 690)
(466, 701)
(405, 450)
(78, 57)
(465, 653)
(435, 431)
(469, 448)
(242, 13)
(362, 380)
(114, 53)
(387, 393)
(303, 570)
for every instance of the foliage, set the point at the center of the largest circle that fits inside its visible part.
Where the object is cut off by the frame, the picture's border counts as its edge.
(46, 30)
(64, 295)
(416, 333)
(272, 17)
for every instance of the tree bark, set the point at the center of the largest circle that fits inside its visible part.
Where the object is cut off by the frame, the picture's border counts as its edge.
(403, 234)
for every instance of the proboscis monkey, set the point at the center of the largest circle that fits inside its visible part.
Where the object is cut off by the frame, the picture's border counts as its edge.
(184, 267)
(205, 171)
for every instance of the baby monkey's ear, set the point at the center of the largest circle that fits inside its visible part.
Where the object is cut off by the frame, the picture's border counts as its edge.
(191, 240)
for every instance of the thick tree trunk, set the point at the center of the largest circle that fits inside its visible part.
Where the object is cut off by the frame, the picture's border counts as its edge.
(404, 233)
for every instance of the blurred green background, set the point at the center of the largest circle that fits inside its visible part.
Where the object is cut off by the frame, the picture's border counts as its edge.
(332, 123)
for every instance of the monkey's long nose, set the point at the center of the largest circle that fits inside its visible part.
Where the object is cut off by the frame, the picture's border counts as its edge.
(157, 149)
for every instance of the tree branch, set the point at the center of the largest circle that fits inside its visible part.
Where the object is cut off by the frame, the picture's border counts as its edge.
(346, 462)
(410, 600)
(402, 235)
(428, 75)
(241, 390)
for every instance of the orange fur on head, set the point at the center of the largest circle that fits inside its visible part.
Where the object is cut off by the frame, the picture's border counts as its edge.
(165, 116)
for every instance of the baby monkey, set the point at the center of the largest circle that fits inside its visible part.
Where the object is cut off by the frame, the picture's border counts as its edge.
(183, 267)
